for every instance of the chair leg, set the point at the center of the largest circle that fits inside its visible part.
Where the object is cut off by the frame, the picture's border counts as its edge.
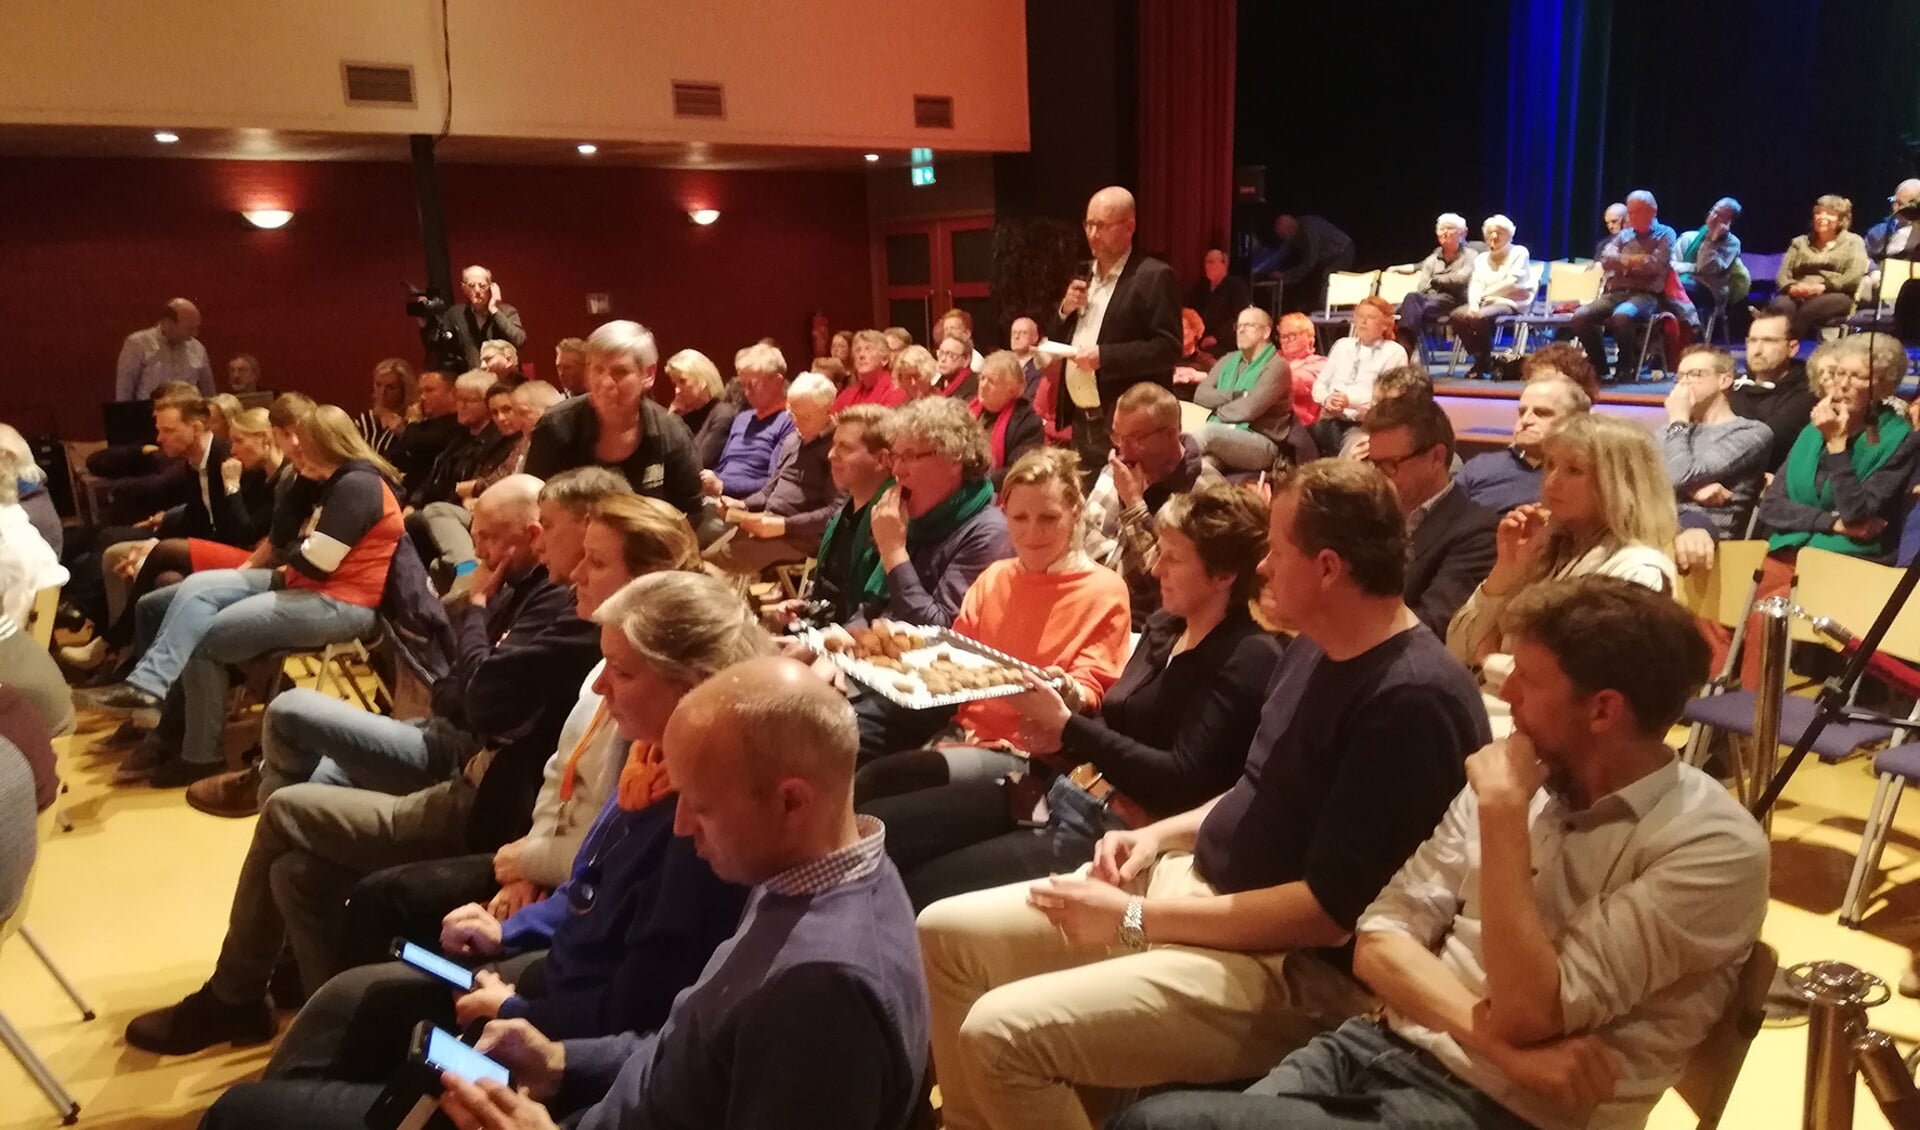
(72, 990)
(1873, 843)
(1699, 739)
(43, 1076)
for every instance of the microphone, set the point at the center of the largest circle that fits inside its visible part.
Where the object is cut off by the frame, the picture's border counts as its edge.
(1901, 676)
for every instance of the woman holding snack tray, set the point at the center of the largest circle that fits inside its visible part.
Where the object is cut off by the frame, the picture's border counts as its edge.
(1172, 732)
(1050, 605)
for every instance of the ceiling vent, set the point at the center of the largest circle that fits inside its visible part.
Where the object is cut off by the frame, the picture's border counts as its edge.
(933, 111)
(378, 84)
(699, 100)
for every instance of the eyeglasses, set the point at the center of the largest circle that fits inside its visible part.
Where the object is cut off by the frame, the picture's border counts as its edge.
(1101, 225)
(1697, 374)
(900, 456)
(1145, 434)
(1390, 465)
(1285, 334)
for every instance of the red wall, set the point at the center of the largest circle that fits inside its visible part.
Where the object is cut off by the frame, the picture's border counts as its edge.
(90, 249)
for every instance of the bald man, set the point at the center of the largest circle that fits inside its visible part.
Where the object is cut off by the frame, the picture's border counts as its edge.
(1122, 318)
(1896, 237)
(814, 1014)
(482, 317)
(168, 350)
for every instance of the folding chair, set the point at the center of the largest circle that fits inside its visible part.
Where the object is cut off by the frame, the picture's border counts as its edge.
(1537, 274)
(1345, 289)
(1706, 1082)
(43, 1076)
(1895, 274)
(1567, 284)
(1394, 286)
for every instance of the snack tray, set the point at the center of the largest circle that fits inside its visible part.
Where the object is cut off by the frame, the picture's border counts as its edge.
(885, 681)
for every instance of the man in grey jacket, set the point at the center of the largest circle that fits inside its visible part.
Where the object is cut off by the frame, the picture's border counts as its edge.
(1715, 458)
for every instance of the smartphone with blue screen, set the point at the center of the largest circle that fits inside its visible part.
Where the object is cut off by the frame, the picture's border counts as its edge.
(429, 962)
(442, 1051)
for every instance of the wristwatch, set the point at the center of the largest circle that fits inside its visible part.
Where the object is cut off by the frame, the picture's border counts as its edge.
(1132, 935)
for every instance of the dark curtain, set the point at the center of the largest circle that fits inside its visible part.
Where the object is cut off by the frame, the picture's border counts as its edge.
(1185, 193)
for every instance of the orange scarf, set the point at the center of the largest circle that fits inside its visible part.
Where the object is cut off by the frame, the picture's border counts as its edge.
(643, 779)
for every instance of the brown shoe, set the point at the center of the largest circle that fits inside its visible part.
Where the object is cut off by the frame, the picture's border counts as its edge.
(233, 794)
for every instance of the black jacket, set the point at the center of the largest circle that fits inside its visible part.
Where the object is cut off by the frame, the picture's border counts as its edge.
(190, 518)
(1025, 432)
(468, 457)
(662, 467)
(469, 331)
(1139, 334)
(1785, 408)
(418, 445)
(1219, 307)
(1452, 552)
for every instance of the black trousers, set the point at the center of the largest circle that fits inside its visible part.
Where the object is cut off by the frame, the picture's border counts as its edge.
(408, 902)
(1808, 315)
(950, 839)
(1416, 311)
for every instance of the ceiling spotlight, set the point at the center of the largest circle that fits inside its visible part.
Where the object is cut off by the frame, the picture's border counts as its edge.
(268, 219)
(703, 216)
(166, 137)
(587, 148)
(872, 157)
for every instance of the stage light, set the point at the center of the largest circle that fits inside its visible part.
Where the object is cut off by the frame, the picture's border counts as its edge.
(166, 137)
(587, 148)
(872, 157)
(703, 216)
(268, 219)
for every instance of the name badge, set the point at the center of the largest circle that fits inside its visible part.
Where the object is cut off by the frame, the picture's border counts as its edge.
(655, 475)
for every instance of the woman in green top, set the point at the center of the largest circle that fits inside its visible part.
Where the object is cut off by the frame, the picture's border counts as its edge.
(1251, 393)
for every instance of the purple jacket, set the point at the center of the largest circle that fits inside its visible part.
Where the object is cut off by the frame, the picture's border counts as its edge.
(927, 589)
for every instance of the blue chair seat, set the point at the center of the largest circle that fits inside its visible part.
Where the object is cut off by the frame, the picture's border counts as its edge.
(1733, 712)
(1900, 760)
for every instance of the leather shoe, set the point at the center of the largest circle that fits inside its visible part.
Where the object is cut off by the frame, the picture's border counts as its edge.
(199, 1022)
(232, 795)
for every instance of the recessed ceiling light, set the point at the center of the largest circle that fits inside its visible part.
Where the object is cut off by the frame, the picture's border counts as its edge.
(587, 148)
(166, 137)
(703, 216)
(872, 157)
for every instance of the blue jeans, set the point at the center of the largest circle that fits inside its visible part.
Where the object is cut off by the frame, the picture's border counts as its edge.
(1356, 1076)
(309, 736)
(186, 611)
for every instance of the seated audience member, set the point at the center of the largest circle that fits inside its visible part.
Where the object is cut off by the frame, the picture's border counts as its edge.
(326, 591)
(896, 339)
(783, 521)
(958, 323)
(705, 403)
(1634, 265)
(1613, 218)
(840, 349)
(1498, 980)
(243, 374)
(1022, 339)
(314, 839)
(914, 373)
(1217, 977)
(443, 530)
(1171, 733)
(1082, 637)
(1151, 462)
(1707, 259)
(754, 437)
(169, 351)
(1298, 342)
(1562, 359)
(617, 425)
(478, 448)
(1444, 276)
(1606, 509)
(954, 373)
(1502, 480)
(1012, 425)
(31, 481)
(835, 372)
(27, 565)
(1345, 387)
(656, 910)
(1251, 393)
(501, 359)
(1496, 287)
(21, 780)
(393, 405)
(1821, 270)
(570, 366)
(1218, 297)
(813, 1015)
(1715, 459)
(141, 478)
(1450, 537)
(872, 383)
(1195, 361)
(526, 403)
(1305, 250)
(1845, 480)
(222, 407)
(419, 444)
(936, 528)
(862, 466)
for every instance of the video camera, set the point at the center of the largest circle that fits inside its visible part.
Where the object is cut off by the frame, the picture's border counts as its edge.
(437, 338)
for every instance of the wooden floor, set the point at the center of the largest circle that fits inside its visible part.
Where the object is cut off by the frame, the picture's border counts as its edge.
(133, 903)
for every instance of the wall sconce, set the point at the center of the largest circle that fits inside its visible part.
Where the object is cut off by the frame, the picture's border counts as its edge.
(703, 216)
(267, 219)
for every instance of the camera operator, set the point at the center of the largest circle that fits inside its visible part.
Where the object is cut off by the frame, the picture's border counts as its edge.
(483, 317)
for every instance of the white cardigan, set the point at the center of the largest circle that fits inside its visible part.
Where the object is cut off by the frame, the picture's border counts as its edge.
(1506, 282)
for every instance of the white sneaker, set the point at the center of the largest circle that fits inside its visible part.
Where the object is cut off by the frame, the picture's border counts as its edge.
(86, 656)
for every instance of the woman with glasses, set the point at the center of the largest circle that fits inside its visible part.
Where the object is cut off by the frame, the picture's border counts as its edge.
(1822, 269)
(1299, 348)
(637, 917)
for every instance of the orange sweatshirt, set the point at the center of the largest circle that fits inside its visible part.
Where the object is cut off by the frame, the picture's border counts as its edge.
(1076, 620)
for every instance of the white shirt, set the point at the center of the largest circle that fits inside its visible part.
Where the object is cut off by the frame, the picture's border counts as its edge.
(1086, 332)
(200, 474)
(1352, 368)
(1506, 282)
(1652, 896)
(559, 826)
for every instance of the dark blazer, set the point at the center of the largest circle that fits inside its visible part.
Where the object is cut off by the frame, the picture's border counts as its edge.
(1024, 433)
(1139, 336)
(469, 331)
(191, 518)
(1452, 552)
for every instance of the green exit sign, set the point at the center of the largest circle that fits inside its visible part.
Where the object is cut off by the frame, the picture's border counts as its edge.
(920, 156)
(922, 175)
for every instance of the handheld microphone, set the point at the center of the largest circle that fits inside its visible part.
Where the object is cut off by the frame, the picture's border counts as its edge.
(1901, 676)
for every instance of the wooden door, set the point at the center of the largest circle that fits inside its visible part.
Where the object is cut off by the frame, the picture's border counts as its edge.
(924, 268)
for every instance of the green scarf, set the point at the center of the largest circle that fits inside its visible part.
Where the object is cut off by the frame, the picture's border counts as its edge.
(1240, 375)
(867, 579)
(1804, 461)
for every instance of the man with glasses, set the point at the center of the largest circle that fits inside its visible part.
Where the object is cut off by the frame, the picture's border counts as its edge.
(1715, 458)
(1151, 462)
(1450, 536)
(957, 377)
(1123, 321)
(1774, 390)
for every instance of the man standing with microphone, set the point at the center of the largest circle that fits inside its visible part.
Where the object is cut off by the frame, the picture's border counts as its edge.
(1123, 322)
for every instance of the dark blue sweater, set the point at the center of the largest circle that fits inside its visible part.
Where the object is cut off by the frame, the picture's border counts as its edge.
(814, 1015)
(657, 914)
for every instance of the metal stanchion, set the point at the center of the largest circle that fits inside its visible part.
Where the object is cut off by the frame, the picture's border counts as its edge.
(1775, 615)
(1838, 997)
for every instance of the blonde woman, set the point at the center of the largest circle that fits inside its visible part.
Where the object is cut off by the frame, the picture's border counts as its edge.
(1606, 508)
(1013, 427)
(395, 404)
(914, 372)
(702, 401)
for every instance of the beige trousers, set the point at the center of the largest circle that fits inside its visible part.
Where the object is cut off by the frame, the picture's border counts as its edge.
(1022, 1017)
